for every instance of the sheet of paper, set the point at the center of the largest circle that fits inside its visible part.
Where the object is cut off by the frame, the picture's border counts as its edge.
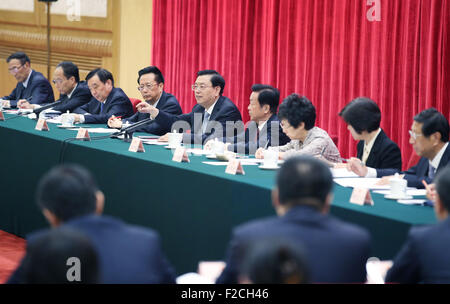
(199, 151)
(409, 191)
(342, 172)
(411, 202)
(368, 183)
(212, 163)
(101, 130)
(154, 142)
(11, 111)
(55, 120)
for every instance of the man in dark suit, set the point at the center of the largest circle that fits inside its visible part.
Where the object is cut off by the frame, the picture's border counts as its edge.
(68, 197)
(31, 86)
(106, 102)
(73, 93)
(151, 86)
(208, 119)
(335, 251)
(375, 149)
(429, 138)
(49, 253)
(424, 256)
(264, 129)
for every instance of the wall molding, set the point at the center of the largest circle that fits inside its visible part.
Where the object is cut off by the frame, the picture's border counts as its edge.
(60, 43)
(84, 63)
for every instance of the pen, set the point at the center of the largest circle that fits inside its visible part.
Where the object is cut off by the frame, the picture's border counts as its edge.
(348, 160)
(425, 184)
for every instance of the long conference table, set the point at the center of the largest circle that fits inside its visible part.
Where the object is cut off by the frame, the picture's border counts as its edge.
(193, 206)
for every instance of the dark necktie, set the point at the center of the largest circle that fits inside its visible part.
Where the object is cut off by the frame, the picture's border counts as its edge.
(101, 107)
(205, 122)
(431, 171)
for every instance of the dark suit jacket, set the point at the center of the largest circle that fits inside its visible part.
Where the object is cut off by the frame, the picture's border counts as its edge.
(38, 87)
(419, 172)
(167, 103)
(424, 258)
(385, 153)
(224, 110)
(127, 254)
(117, 104)
(248, 143)
(79, 97)
(335, 251)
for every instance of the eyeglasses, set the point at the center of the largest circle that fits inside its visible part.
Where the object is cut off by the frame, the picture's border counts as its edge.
(200, 87)
(57, 81)
(147, 86)
(285, 125)
(15, 69)
(414, 135)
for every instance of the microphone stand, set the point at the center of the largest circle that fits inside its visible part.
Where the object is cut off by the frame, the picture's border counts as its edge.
(128, 131)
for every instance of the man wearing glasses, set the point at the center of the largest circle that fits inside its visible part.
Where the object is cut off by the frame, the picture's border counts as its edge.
(208, 117)
(73, 92)
(106, 100)
(151, 86)
(31, 86)
(429, 138)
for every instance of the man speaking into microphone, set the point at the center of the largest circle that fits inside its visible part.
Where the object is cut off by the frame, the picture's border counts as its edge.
(73, 92)
(151, 86)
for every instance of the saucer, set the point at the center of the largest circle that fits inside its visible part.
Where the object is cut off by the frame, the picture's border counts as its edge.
(66, 126)
(171, 147)
(268, 168)
(394, 197)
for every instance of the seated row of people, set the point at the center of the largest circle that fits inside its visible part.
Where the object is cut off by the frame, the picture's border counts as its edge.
(293, 129)
(303, 243)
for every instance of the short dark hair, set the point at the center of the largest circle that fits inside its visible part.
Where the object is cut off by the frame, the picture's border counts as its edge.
(68, 191)
(47, 255)
(442, 182)
(216, 80)
(102, 74)
(268, 95)
(433, 121)
(297, 109)
(304, 179)
(275, 261)
(21, 56)
(363, 114)
(151, 70)
(69, 69)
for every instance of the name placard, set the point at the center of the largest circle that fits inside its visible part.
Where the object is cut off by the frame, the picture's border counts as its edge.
(361, 196)
(83, 134)
(180, 155)
(136, 145)
(41, 125)
(234, 167)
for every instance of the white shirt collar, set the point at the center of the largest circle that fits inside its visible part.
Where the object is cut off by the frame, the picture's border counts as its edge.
(211, 108)
(437, 159)
(25, 83)
(70, 94)
(261, 125)
(156, 103)
(372, 141)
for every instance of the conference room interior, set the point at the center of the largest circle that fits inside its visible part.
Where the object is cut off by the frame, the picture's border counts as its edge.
(395, 54)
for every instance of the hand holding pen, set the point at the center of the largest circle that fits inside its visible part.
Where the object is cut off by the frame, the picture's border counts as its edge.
(431, 190)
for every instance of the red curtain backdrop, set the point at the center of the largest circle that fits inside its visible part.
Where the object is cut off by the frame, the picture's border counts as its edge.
(331, 51)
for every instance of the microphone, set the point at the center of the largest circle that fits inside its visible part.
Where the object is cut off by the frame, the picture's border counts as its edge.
(128, 131)
(48, 106)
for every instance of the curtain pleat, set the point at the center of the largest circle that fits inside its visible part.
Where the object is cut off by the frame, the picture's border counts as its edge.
(327, 50)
